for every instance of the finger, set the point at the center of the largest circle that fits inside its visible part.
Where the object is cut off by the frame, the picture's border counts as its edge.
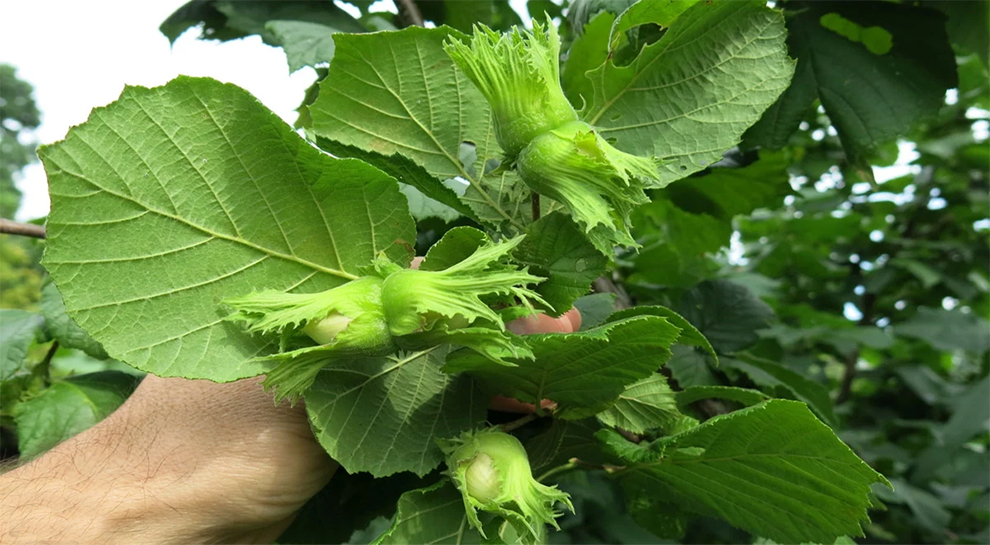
(540, 323)
(510, 405)
(416, 262)
(574, 315)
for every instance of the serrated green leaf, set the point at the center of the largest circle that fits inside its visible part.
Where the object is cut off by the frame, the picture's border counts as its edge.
(17, 331)
(406, 171)
(582, 372)
(689, 334)
(689, 97)
(690, 367)
(771, 374)
(689, 395)
(556, 249)
(644, 405)
(62, 328)
(383, 415)
(455, 246)
(431, 515)
(726, 313)
(207, 195)
(870, 98)
(399, 92)
(68, 407)
(772, 469)
(304, 43)
(661, 13)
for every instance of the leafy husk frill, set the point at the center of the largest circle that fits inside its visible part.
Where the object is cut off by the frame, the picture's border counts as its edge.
(555, 154)
(491, 470)
(392, 308)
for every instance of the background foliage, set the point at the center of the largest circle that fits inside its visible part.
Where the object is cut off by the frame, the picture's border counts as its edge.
(837, 257)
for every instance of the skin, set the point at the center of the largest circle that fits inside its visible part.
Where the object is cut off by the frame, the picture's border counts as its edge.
(185, 461)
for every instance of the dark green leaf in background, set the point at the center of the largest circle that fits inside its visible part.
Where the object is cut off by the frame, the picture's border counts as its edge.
(870, 96)
(227, 20)
(69, 407)
(563, 440)
(727, 314)
(62, 328)
(17, 331)
(431, 515)
(948, 330)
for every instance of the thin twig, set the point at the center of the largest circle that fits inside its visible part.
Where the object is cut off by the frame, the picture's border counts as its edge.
(23, 229)
(535, 199)
(516, 424)
(411, 11)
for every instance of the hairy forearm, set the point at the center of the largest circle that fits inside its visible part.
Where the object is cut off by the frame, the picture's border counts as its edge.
(181, 461)
(94, 489)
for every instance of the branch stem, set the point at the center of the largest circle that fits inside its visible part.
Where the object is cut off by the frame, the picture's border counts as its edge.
(411, 11)
(23, 229)
(535, 200)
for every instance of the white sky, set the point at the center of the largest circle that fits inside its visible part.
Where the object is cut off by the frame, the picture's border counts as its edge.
(79, 55)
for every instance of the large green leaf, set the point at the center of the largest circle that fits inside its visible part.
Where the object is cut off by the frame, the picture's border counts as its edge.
(17, 331)
(431, 515)
(772, 469)
(62, 328)
(556, 249)
(772, 375)
(688, 97)
(304, 43)
(68, 407)
(643, 405)
(398, 92)
(726, 313)
(871, 96)
(383, 415)
(582, 372)
(205, 194)
(689, 334)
